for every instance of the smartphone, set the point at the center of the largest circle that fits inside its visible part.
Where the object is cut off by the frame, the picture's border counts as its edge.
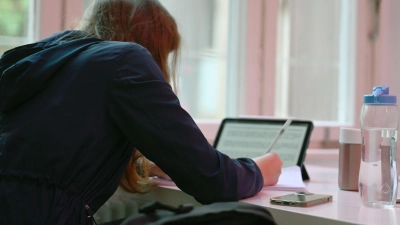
(301, 199)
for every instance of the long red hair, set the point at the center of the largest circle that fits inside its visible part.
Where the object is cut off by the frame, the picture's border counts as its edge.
(149, 24)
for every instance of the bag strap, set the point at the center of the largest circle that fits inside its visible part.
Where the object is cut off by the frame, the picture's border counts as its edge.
(155, 205)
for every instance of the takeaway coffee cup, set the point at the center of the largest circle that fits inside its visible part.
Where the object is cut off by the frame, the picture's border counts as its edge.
(349, 158)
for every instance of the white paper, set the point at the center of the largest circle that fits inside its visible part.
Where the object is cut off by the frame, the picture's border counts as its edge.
(162, 182)
(290, 180)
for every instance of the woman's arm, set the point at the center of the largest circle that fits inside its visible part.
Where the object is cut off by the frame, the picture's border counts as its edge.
(149, 114)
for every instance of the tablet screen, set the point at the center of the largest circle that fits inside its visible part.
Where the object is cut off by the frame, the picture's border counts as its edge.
(251, 138)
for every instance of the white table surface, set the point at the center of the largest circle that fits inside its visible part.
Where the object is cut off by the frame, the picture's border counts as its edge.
(322, 166)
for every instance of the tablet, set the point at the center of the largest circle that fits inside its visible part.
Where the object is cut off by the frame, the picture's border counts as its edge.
(244, 137)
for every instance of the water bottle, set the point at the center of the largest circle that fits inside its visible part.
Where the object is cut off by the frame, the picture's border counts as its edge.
(378, 174)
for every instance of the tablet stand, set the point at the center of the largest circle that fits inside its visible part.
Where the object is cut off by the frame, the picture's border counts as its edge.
(304, 173)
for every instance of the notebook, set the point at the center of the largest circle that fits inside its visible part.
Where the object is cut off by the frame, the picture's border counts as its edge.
(245, 137)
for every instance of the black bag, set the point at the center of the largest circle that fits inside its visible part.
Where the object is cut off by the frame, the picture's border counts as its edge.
(232, 213)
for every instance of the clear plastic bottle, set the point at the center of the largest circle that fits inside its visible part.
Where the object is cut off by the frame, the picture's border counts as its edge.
(379, 125)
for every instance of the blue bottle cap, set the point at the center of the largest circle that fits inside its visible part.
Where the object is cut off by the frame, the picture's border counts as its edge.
(380, 95)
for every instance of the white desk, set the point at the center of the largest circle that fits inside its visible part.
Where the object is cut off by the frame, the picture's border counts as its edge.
(322, 166)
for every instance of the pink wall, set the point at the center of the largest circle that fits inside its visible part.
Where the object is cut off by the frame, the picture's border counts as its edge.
(50, 20)
(364, 53)
(388, 47)
(254, 51)
(73, 13)
(57, 15)
(261, 56)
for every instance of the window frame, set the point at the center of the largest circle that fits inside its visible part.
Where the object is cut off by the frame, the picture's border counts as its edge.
(261, 52)
(253, 93)
(253, 62)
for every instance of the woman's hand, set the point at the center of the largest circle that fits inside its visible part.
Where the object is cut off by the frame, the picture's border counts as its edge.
(270, 165)
(156, 171)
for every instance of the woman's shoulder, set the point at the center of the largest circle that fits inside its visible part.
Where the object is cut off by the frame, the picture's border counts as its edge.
(68, 36)
(118, 50)
(126, 48)
(131, 58)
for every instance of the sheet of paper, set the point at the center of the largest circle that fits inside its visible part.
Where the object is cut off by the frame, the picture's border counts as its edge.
(162, 182)
(290, 180)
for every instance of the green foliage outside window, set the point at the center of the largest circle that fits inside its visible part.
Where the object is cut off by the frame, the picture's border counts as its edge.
(14, 17)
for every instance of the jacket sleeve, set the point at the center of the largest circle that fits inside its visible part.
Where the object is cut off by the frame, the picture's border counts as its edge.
(146, 110)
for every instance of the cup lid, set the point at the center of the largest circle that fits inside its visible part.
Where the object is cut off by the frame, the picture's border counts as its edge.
(380, 95)
(350, 135)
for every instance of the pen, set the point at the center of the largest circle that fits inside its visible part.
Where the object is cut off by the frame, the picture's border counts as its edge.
(286, 125)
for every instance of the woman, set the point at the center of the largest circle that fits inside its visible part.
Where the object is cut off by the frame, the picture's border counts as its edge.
(74, 106)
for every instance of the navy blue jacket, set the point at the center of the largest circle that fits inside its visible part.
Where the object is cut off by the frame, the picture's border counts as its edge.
(71, 113)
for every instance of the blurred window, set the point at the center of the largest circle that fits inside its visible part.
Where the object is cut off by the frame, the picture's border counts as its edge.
(16, 23)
